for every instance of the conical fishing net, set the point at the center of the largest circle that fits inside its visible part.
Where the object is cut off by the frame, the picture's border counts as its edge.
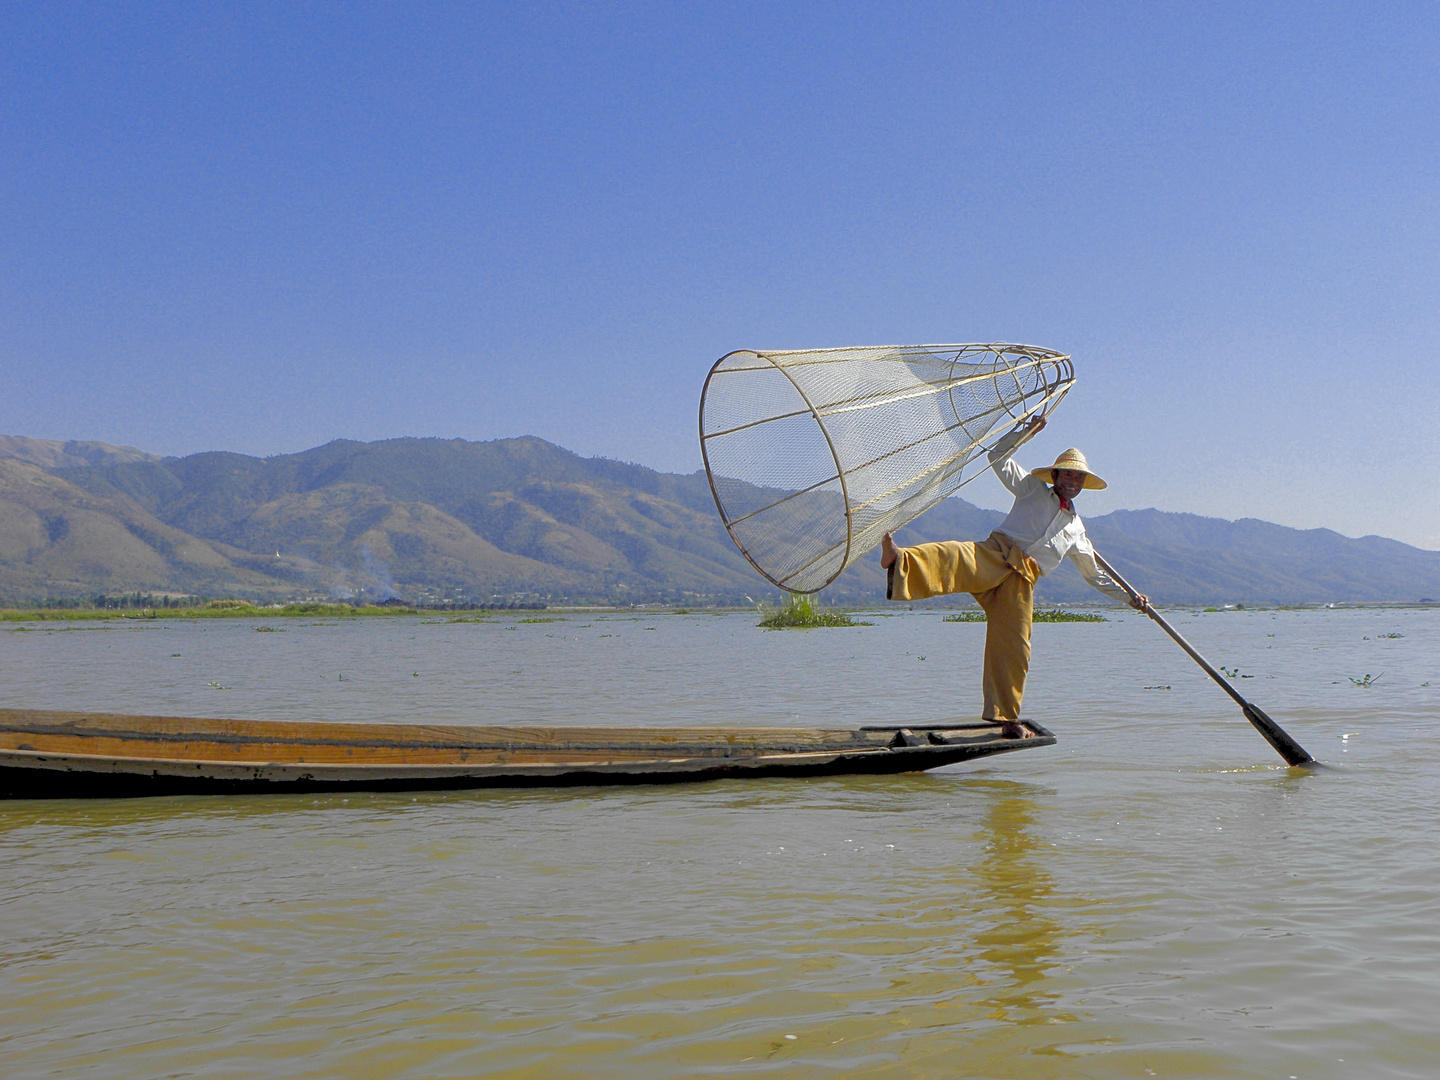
(813, 456)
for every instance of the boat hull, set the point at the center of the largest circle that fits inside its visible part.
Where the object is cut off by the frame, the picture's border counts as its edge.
(78, 755)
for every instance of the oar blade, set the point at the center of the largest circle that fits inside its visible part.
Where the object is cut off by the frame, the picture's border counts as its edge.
(1276, 736)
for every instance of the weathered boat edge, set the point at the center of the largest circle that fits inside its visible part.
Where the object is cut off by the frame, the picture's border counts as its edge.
(40, 775)
(66, 755)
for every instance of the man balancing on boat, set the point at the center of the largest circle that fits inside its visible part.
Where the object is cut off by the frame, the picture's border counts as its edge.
(1001, 572)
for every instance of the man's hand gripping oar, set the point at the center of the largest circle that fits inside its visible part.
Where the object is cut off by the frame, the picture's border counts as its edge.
(1275, 735)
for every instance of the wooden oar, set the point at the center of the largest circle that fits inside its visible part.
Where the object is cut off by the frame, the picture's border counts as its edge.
(1275, 735)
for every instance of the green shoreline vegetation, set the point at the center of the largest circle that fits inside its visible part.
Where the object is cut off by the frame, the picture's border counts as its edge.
(215, 609)
(797, 613)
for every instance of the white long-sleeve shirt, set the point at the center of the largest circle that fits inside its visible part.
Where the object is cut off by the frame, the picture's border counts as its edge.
(1042, 527)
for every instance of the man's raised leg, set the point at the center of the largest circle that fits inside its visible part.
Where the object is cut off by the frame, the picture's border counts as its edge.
(915, 573)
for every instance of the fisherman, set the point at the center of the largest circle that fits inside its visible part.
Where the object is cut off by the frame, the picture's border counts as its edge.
(1001, 572)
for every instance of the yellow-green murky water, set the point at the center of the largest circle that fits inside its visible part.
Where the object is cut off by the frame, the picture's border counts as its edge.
(1155, 896)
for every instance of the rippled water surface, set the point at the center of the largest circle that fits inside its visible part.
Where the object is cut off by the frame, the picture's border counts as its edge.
(1155, 896)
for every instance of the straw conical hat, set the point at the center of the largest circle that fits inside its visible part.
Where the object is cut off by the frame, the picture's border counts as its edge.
(1072, 459)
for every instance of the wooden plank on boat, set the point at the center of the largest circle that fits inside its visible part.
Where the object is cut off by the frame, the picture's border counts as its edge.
(79, 754)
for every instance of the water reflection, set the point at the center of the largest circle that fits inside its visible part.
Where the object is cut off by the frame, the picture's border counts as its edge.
(1022, 942)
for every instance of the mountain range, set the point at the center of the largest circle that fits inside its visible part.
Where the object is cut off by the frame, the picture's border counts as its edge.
(524, 520)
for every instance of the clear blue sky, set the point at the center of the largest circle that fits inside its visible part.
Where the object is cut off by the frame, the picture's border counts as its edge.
(262, 226)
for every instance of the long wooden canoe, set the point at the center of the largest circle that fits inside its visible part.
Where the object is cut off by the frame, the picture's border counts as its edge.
(81, 754)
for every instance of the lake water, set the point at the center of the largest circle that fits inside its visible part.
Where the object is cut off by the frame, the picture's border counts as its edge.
(1157, 895)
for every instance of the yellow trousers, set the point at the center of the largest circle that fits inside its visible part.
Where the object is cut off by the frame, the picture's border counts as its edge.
(1002, 578)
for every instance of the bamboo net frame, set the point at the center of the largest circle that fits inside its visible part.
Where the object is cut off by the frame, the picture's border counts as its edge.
(813, 455)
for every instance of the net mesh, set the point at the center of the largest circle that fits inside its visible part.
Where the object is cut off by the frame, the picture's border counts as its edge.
(813, 456)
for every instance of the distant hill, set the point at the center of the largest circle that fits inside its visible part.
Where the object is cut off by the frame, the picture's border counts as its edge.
(523, 519)
(68, 454)
(1195, 560)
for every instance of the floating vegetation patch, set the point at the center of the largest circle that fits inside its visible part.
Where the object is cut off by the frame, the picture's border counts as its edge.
(1052, 615)
(800, 613)
(545, 618)
(343, 609)
(1368, 680)
(53, 629)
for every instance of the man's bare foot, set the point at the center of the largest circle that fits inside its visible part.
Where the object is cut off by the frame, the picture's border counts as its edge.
(887, 552)
(1014, 729)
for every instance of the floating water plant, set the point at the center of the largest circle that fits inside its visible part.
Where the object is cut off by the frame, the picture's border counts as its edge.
(1052, 615)
(1059, 615)
(800, 613)
(1368, 680)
